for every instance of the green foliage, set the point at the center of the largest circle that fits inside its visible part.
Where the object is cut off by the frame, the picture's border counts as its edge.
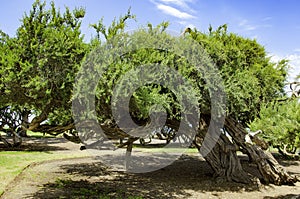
(116, 27)
(280, 123)
(39, 65)
(250, 78)
(133, 52)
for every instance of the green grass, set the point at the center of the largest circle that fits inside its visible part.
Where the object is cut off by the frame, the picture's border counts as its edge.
(13, 162)
(34, 134)
(40, 135)
(159, 148)
(168, 150)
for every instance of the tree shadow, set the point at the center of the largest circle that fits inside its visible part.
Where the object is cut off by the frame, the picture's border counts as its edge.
(37, 145)
(150, 146)
(288, 196)
(33, 148)
(46, 140)
(95, 180)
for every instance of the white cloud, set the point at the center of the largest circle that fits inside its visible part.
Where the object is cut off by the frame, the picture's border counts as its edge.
(295, 64)
(183, 4)
(246, 26)
(186, 24)
(174, 12)
(176, 8)
(276, 58)
(182, 22)
(267, 19)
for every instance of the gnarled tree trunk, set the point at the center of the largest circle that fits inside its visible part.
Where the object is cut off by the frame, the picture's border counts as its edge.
(17, 140)
(223, 158)
(225, 163)
(269, 168)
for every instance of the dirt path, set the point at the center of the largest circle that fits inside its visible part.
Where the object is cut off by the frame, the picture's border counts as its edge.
(188, 177)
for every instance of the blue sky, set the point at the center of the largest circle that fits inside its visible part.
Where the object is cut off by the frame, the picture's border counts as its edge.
(274, 23)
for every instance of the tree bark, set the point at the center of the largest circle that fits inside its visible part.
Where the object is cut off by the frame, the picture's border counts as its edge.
(269, 168)
(16, 139)
(53, 129)
(36, 122)
(24, 123)
(223, 159)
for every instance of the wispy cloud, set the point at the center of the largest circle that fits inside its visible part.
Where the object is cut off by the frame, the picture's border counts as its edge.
(186, 24)
(183, 4)
(248, 26)
(174, 12)
(267, 19)
(245, 25)
(176, 8)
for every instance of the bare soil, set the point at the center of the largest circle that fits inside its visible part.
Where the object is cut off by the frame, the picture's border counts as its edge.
(188, 177)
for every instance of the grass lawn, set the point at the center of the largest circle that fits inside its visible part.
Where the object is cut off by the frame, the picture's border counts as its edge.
(13, 162)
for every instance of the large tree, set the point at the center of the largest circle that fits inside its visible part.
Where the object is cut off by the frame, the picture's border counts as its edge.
(39, 64)
(250, 79)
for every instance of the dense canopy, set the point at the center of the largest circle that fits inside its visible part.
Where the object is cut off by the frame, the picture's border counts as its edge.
(47, 67)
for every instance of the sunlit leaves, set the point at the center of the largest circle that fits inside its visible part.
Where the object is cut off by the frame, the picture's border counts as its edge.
(280, 123)
(250, 77)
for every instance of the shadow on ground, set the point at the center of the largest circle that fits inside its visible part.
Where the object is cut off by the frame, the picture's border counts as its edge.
(178, 180)
(37, 144)
(287, 196)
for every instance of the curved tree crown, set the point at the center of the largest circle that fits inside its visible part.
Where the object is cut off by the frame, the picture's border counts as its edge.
(39, 65)
(250, 78)
(145, 96)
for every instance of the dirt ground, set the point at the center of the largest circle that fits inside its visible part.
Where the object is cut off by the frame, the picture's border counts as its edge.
(88, 177)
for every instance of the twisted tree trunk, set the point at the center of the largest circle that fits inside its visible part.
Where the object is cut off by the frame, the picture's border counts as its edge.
(17, 140)
(269, 168)
(223, 158)
(225, 163)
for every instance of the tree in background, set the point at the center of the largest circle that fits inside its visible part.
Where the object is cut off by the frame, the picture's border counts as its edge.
(39, 64)
(280, 124)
